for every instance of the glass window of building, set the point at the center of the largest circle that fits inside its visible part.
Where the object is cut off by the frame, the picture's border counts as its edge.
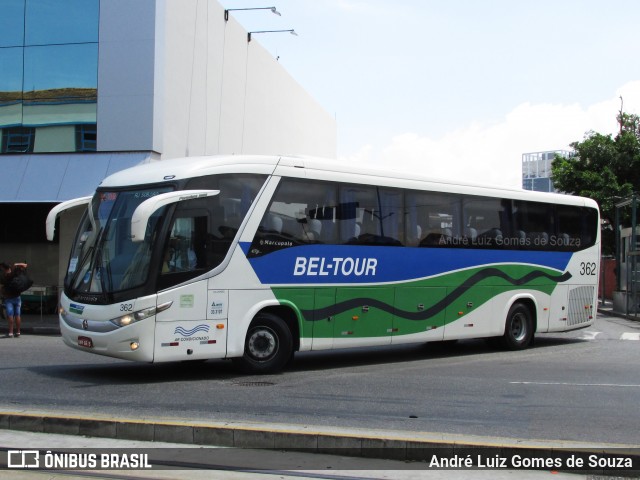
(60, 67)
(12, 24)
(49, 65)
(10, 87)
(50, 22)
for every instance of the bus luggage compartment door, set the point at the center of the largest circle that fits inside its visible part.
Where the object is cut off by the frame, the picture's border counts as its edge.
(417, 316)
(365, 316)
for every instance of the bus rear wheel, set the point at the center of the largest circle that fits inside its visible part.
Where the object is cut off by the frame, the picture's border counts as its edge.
(518, 331)
(268, 345)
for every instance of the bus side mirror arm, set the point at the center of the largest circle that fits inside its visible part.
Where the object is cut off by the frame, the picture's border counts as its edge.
(143, 212)
(58, 209)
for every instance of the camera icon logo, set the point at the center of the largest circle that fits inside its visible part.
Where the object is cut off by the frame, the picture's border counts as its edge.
(23, 459)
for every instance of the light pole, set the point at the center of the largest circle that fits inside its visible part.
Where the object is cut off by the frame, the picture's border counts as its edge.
(226, 12)
(291, 31)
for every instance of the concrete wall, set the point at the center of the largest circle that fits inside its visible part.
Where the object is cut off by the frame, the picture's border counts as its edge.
(175, 78)
(126, 57)
(226, 95)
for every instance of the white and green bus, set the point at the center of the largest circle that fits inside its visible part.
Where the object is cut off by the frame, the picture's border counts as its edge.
(253, 258)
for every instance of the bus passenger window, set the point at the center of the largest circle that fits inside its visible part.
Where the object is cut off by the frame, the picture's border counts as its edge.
(486, 221)
(370, 215)
(433, 219)
(301, 212)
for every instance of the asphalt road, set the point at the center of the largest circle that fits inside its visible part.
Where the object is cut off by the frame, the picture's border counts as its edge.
(578, 386)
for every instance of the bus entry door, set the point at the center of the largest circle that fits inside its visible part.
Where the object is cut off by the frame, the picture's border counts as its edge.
(194, 327)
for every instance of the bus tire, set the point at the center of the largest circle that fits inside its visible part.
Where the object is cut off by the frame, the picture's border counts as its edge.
(268, 346)
(518, 330)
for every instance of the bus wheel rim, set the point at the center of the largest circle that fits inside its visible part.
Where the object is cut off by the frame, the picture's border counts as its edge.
(519, 327)
(262, 344)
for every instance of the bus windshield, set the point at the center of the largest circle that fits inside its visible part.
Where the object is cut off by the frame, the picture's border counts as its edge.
(181, 241)
(104, 258)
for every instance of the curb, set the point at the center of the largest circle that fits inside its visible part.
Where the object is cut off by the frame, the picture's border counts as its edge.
(35, 324)
(392, 445)
(34, 330)
(609, 312)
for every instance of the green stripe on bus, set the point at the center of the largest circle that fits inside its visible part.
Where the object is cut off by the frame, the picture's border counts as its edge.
(408, 307)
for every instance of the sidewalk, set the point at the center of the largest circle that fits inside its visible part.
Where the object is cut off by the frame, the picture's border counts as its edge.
(35, 323)
(176, 461)
(606, 308)
(404, 446)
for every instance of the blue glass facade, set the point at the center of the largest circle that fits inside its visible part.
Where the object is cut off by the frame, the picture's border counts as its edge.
(48, 75)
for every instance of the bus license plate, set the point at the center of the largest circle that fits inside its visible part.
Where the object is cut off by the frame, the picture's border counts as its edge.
(85, 342)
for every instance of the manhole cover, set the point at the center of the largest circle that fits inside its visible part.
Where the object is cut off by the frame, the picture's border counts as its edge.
(253, 384)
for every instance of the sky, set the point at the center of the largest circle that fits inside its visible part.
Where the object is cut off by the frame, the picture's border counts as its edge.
(458, 89)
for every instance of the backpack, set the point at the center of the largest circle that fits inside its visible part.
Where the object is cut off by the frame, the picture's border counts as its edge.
(20, 282)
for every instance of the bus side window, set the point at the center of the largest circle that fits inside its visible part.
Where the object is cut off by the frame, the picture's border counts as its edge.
(375, 211)
(301, 212)
(433, 219)
(486, 220)
(537, 221)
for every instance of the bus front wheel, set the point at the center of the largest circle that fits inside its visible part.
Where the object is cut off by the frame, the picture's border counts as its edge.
(268, 345)
(518, 331)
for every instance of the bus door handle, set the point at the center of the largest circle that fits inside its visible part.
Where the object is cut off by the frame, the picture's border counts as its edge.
(469, 304)
(420, 307)
(365, 308)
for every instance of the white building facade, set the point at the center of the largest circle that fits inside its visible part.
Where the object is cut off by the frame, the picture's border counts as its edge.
(89, 87)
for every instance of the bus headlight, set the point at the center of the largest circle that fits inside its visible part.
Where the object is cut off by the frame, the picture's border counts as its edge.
(130, 318)
(123, 321)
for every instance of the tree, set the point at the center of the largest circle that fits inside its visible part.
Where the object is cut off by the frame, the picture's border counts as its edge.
(604, 168)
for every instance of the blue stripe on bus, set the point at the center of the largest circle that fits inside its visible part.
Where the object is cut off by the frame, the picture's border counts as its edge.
(348, 264)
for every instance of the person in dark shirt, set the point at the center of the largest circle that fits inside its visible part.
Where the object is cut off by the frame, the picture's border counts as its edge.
(11, 297)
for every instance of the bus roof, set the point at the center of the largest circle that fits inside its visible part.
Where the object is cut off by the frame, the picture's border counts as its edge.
(318, 168)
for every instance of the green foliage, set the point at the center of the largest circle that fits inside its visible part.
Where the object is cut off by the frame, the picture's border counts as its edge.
(604, 168)
(629, 123)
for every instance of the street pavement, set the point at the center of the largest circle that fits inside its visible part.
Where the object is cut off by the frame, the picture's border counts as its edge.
(353, 451)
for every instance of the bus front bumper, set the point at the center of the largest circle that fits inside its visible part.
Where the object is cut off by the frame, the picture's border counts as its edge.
(133, 342)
